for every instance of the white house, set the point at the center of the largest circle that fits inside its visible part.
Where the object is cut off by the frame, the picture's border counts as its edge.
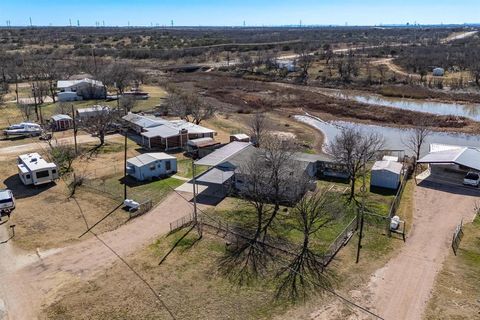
(86, 113)
(386, 174)
(151, 165)
(84, 89)
(33, 169)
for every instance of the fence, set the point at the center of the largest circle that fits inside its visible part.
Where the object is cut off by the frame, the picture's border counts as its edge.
(340, 241)
(396, 202)
(142, 209)
(182, 222)
(457, 237)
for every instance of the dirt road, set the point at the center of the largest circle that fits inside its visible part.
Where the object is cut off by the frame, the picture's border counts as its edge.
(402, 288)
(13, 151)
(30, 280)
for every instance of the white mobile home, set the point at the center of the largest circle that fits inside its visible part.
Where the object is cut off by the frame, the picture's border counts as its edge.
(151, 165)
(33, 169)
(84, 89)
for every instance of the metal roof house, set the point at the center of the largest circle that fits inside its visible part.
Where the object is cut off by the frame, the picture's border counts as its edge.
(162, 134)
(86, 113)
(242, 137)
(84, 89)
(33, 169)
(386, 174)
(461, 158)
(148, 166)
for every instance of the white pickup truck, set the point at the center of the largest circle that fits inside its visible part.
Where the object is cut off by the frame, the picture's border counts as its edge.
(7, 202)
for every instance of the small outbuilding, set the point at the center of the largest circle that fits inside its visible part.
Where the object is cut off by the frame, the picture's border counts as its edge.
(241, 137)
(386, 174)
(61, 122)
(148, 166)
(201, 147)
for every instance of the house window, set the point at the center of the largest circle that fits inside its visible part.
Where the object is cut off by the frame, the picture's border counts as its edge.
(54, 171)
(42, 174)
(168, 165)
(152, 167)
(27, 177)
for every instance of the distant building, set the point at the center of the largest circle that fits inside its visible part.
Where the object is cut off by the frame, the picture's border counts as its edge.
(33, 169)
(438, 72)
(85, 89)
(61, 122)
(241, 137)
(148, 166)
(86, 113)
(200, 147)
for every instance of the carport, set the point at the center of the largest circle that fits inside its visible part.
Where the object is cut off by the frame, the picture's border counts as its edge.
(450, 163)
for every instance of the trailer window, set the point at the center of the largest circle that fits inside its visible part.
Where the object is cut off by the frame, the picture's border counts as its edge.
(27, 177)
(42, 174)
(168, 165)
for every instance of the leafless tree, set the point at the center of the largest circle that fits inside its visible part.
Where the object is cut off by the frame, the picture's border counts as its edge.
(348, 67)
(304, 62)
(416, 139)
(63, 155)
(189, 107)
(127, 103)
(305, 271)
(259, 128)
(99, 124)
(353, 148)
(62, 108)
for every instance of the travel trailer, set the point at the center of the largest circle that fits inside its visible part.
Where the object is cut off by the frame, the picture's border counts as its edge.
(34, 170)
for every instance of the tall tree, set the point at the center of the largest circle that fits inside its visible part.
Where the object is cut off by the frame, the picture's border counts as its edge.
(353, 148)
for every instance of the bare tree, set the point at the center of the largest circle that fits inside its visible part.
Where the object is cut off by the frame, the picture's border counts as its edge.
(304, 62)
(353, 148)
(127, 103)
(62, 108)
(189, 107)
(63, 155)
(99, 124)
(416, 139)
(258, 128)
(305, 271)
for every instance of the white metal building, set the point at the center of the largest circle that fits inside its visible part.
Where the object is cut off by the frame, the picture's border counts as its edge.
(33, 169)
(151, 165)
(457, 157)
(386, 174)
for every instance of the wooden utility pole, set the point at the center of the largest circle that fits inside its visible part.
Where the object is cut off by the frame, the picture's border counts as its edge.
(125, 166)
(363, 189)
(195, 211)
(75, 130)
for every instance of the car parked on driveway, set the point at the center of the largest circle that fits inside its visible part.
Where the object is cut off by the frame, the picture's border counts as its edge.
(7, 202)
(472, 179)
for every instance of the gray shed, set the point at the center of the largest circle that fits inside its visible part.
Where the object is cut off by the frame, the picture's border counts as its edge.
(151, 165)
(386, 174)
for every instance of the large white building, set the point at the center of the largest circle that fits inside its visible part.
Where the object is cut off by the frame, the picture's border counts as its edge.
(84, 89)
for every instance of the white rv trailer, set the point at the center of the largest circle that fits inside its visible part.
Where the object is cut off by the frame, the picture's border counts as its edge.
(33, 169)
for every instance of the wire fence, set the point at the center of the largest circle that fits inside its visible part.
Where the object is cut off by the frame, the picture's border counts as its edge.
(457, 237)
(342, 239)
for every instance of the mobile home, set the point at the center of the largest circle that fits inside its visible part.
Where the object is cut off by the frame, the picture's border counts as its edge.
(34, 170)
(151, 165)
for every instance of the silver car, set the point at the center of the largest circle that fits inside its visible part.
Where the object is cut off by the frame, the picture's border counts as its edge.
(472, 179)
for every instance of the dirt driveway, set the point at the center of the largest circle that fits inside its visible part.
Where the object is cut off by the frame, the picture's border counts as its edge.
(28, 281)
(402, 288)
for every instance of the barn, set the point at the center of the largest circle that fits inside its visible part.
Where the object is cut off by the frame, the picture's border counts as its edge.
(386, 174)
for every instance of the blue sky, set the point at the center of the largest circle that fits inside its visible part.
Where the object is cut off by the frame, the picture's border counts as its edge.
(228, 12)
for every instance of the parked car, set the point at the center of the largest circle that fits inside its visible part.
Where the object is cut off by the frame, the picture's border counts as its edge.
(472, 179)
(7, 202)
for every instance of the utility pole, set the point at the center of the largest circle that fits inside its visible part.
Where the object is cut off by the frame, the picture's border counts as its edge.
(195, 212)
(75, 130)
(31, 25)
(363, 189)
(125, 166)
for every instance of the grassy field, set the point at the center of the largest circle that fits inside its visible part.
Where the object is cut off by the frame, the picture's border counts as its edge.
(456, 294)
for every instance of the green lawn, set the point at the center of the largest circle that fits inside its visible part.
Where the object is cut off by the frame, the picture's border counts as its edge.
(184, 168)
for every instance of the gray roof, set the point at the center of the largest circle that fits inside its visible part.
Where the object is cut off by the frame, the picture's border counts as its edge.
(58, 117)
(202, 142)
(144, 121)
(161, 131)
(386, 165)
(191, 127)
(69, 83)
(94, 109)
(147, 158)
(216, 176)
(222, 154)
(308, 157)
(464, 156)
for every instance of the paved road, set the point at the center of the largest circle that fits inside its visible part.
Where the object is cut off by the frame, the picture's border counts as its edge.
(28, 280)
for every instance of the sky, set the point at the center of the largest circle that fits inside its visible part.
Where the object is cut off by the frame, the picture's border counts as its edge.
(234, 13)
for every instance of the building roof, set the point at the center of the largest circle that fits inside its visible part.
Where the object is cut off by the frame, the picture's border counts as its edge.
(385, 165)
(191, 127)
(222, 154)
(33, 161)
(202, 142)
(144, 121)
(95, 108)
(216, 175)
(147, 158)
(308, 157)
(464, 156)
(58, 117)
(61, 84)
(162, 131)
(240, 136)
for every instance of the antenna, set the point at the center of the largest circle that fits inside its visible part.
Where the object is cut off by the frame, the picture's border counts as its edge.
(78, 23)
(244, 24)
(171, 23)
(70, 20)
(103, 23)
(31, 25)
(300, 23)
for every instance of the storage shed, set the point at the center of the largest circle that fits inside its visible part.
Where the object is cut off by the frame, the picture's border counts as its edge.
(386, 174)
(242, 137)
(151, 165)
(438, 72)
(61, 122)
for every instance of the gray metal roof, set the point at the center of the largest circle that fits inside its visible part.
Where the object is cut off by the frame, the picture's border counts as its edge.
(147, 158)
(58, 117)
(143, 121)
(69, 83)
(222, 154)
(386, 165)
(216, 176)
(464, 156)
(161, 131)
